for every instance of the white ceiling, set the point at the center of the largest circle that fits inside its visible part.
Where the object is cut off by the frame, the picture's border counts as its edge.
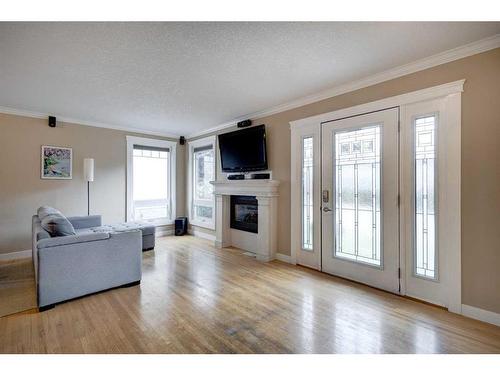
(183, 78)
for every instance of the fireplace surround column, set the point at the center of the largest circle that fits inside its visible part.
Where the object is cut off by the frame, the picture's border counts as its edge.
(268, 233)
(223, 220)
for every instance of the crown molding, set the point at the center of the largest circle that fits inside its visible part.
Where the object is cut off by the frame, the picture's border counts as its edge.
(428, 93)
(74, 121)
(466, 50)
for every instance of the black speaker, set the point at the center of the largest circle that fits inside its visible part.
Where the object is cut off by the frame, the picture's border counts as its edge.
(52, 121)
(182, 140)
(181, 226)
(244, 123)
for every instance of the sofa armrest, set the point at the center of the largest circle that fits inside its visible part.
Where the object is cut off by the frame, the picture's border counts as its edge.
(82, 222)
(68, 240)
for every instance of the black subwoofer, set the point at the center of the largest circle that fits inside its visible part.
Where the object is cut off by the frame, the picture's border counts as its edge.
(181, 226)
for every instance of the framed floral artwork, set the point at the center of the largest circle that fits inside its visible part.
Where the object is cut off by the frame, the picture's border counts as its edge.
(57, 163)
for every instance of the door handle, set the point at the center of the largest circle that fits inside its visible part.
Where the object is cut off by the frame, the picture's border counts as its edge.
(326, 209)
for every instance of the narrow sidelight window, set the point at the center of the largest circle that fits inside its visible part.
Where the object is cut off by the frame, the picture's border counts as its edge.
(425, 197)
(357, 195)
(203, 173)
(307, 193)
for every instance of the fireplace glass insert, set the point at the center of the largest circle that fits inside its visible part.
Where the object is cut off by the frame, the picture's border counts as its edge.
(244, 213)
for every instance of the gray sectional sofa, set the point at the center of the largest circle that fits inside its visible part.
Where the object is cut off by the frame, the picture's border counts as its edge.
(87, 258)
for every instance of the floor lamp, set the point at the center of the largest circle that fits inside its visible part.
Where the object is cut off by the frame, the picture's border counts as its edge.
(88, 172)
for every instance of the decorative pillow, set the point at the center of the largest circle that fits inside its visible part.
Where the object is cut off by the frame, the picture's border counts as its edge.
(45, 211)
(57, 225)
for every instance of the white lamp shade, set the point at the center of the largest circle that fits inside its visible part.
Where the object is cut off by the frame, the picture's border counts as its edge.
(88, 169)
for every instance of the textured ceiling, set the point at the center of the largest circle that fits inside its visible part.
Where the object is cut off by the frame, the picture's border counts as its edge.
(182, 78)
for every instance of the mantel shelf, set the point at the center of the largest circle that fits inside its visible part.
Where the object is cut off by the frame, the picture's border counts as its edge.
(265, 188)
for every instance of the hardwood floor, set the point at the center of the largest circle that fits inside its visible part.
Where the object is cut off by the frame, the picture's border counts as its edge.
(196, 299)
(17, 286)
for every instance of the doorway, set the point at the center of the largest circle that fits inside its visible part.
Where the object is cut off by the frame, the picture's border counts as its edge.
(375, 194)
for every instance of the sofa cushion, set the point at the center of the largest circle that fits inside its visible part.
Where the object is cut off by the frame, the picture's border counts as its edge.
(69, 240)
(45, 211)
(82, 222)
(147, 229)
(57, 225)
(84, 230)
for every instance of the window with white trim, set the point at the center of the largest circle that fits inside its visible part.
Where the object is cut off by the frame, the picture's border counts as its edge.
(150, 180)
(202, 171)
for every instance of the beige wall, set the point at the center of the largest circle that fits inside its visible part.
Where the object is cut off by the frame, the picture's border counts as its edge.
(480, 162)
(22, 190)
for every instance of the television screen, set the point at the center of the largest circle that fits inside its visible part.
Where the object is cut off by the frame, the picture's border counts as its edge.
(244, 150)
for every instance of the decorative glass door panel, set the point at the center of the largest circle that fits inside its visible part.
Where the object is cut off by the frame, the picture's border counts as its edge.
(307, 194)
(425, 213)
(357, 195)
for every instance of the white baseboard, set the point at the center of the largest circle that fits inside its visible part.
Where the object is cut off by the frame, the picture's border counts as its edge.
(164, 232)
(284, 258)
(199, 233)
(16, 255)
(480, 314)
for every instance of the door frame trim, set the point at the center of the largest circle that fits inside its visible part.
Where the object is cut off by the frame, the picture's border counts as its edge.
(452, 92)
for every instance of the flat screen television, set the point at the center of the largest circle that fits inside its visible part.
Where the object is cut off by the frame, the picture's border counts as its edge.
(244, 150)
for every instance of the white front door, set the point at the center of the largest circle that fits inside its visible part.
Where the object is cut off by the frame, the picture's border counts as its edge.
(359, 195)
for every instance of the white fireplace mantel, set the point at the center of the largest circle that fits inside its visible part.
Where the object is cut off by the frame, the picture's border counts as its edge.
(266, 192)
(263, 188)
